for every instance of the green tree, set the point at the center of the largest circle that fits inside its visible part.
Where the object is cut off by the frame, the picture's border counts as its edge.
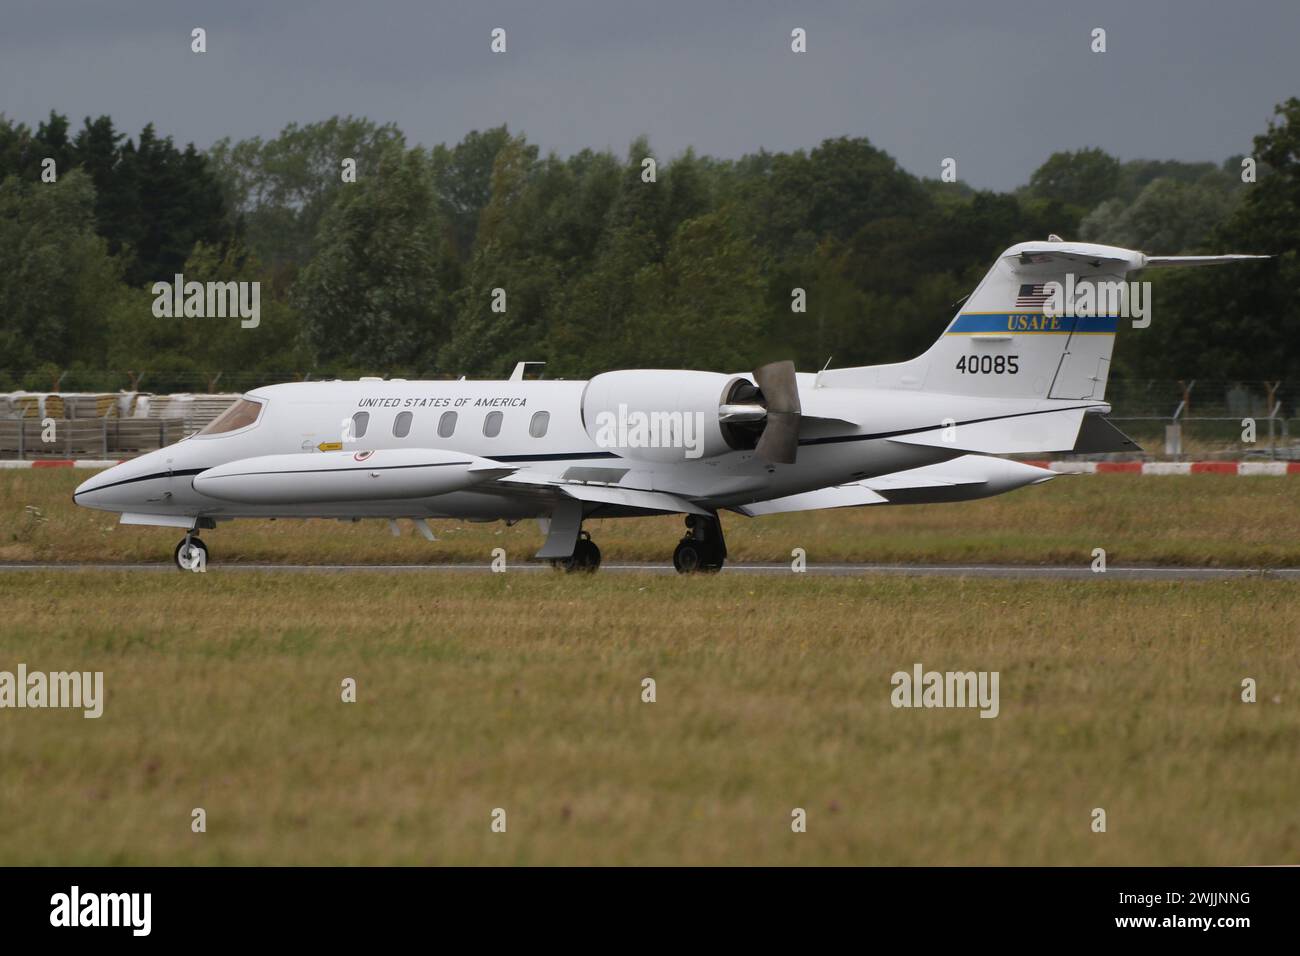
(281, 188)
(370, 295)
(58, 280)
(464, 177)
(1240, 321)
(700, 307)
(1081, 178)
(590, 333)
(509, 270)
(212, 353)
(1168, 217)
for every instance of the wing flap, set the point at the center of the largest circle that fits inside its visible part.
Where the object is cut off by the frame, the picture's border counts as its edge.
(634, 498)
(656, 501)
(913, 479)
(841, 496)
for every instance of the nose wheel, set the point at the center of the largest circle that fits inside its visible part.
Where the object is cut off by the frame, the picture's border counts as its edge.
(192, 552)
(703, 549)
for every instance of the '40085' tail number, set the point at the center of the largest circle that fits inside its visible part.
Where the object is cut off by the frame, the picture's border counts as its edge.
(989, 364)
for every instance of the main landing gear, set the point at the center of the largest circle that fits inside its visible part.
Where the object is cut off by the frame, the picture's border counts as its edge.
(585, 557)
(192, 552)
(703, 548)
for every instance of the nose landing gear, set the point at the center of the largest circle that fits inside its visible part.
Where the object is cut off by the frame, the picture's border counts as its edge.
(191, 553)
(703, 549)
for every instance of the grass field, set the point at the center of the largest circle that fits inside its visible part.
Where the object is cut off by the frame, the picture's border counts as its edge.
(479, 691)
(523, 691)
(1175, 520)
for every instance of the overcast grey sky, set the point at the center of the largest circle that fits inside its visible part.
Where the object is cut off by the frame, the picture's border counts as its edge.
(999, 85)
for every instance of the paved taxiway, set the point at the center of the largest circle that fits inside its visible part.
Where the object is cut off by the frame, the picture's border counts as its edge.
(841, 570)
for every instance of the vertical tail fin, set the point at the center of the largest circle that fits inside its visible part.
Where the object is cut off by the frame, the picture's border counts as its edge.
(1010, 338)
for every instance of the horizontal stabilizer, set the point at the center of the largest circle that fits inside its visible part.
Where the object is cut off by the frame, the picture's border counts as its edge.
(1031, 258)
(1164, 262)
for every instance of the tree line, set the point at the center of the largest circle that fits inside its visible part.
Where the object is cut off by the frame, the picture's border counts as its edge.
(379, 257)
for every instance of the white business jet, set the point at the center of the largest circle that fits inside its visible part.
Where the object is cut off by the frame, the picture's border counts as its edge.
(1010, 375)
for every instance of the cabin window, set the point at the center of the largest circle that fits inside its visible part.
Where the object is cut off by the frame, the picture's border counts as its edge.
(360, 422)
(537, 427)
(402, 425)
(492, 424)
(447, 425)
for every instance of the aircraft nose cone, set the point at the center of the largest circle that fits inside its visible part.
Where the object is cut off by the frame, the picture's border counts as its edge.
(87, 491)
(105, 490)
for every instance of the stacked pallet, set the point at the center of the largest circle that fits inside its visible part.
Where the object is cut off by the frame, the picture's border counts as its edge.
(70, 405)
(34, 405)
(196, 410)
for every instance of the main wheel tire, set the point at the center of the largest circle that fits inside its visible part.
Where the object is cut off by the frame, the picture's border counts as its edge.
(697, 557)
(586, 556)
(688, 557)
(184, 556)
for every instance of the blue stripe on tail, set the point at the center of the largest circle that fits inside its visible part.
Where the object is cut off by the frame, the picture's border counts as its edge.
(1031, 323)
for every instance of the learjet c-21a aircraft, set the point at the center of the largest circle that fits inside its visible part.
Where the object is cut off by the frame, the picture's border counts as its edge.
(1004, 378)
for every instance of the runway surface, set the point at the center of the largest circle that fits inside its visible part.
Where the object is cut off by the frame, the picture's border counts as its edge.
(839, 570)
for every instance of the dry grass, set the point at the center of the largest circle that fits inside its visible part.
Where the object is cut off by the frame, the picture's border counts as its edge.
(1177, 520)
(523, 692)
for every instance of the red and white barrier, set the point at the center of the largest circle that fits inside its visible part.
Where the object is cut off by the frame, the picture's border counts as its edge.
(59, 463)
(1171, 467)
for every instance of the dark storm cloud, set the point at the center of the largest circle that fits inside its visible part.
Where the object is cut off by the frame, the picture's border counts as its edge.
(998, 86)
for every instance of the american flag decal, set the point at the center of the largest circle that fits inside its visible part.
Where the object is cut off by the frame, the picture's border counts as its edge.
(1032, 296)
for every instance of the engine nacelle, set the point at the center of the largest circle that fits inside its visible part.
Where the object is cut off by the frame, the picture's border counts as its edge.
(664, 415)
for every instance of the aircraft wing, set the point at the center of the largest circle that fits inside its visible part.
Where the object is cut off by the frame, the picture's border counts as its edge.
(660, 502)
